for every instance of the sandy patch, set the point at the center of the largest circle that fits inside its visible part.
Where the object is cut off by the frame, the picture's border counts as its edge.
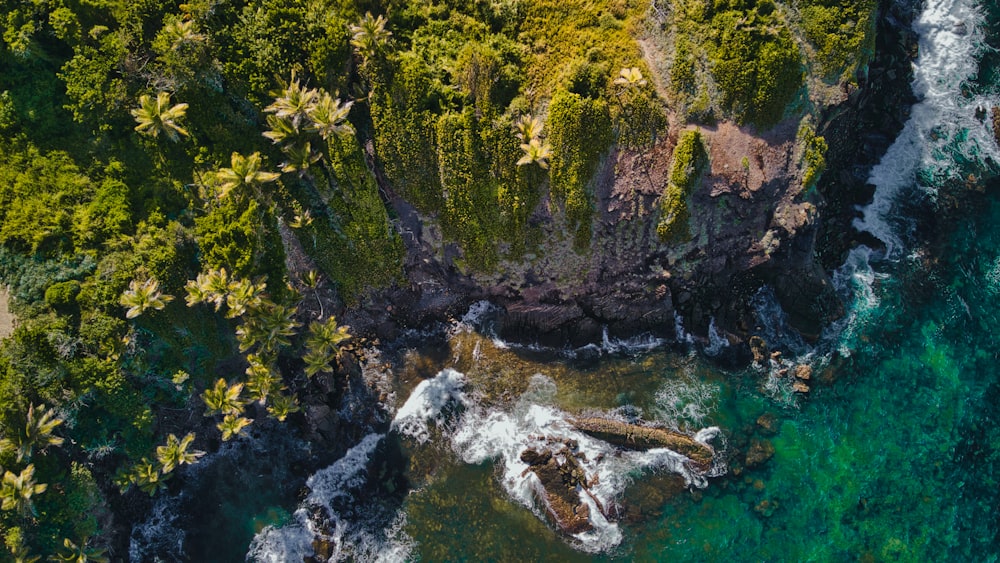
(6, 317)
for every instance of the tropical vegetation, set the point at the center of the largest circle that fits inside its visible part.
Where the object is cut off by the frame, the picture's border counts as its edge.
(162, 164)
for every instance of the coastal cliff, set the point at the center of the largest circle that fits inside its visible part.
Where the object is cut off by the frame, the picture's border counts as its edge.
(773, 206)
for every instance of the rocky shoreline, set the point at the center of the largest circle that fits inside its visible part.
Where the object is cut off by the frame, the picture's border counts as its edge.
(750, 227)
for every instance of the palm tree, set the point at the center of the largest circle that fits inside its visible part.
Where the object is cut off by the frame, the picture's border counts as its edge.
(209, 287)
(17, 490)
(181, 33)
(629, 77)
(326, 336)
(271, 326)
(301, 220)
(149, 478)
(281, 406)
(232, 425)
(318, 361)
(329, 117)
(22, 555)
(19, 552)
(300, 157)
(536, 152)
(142, 296)
(262, 381)
(158, 116)
(244, 173)
(369, 35)
(311, 280)
(175, 453)
(38, 430)
(528, 128)
(244, 295)
(73, 553)
(223, 398)
(293, 102)
(283, 130)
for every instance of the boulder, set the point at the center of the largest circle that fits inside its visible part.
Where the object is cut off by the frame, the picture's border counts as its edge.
(758, 347)
(803, 372)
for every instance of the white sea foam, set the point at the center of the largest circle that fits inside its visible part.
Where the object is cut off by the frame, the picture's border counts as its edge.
(943, 128)
(501, 436)
(685, 402)
(716, 341)
(855, 281)
(316, 518)
(682, 335)
(428, 399)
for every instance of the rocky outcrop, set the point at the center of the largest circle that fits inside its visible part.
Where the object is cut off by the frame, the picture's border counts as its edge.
(638, 437)
(563, 480)
(861, 129)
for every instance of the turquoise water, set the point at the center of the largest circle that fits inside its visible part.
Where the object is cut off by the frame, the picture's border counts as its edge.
(892, 456)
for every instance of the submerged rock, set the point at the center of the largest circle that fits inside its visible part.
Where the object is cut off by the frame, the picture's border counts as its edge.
(760, 451)
(768, 423)
(638, 437)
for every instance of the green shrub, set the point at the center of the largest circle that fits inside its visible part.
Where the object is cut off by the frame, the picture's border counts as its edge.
(689, 161)
(756, 63)
(62, 295)
(814, 150)
(580, 133)
(842, 33)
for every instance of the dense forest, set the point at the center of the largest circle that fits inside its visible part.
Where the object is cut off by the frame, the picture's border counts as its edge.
(158, 158)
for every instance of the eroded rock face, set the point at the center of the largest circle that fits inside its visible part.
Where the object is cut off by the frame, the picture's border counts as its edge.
(637, 437)
(752, 222)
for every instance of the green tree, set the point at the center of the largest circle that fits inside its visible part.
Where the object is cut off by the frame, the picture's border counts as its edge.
(143, 296)
(156, 117)
(244, 174)
(38, 433)
(223, 398)
(176, 453)
(18, 489)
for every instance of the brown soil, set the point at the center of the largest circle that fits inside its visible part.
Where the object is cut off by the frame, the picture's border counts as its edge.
(6, 317)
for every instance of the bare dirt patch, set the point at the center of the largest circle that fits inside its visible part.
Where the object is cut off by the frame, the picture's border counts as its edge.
(6, 317)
